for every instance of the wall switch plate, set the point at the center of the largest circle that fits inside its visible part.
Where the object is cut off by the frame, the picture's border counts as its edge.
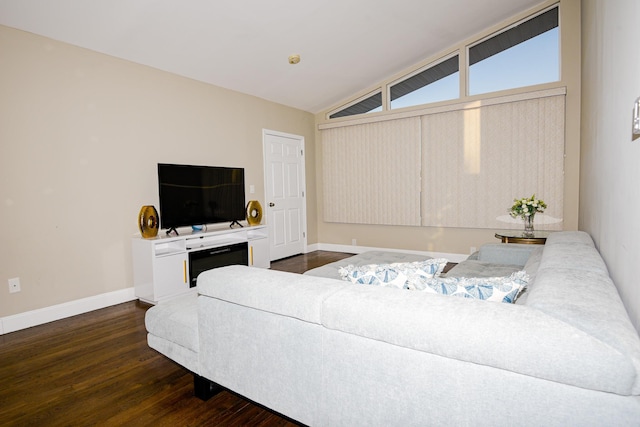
(14, 285)
(252, 189)
(636, 117)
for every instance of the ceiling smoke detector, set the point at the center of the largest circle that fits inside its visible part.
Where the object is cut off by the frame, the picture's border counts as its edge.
(294, 59)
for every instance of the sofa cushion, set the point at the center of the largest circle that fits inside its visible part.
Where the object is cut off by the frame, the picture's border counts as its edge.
(572, 285)
(475, 268)
(505, 253)
(289, 294)
(175, 321)
(571, 237)
(394, 275)
(588, 301)
(501, 289)
(576, 255)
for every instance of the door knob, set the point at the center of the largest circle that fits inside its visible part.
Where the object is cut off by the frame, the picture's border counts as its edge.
(271, 204)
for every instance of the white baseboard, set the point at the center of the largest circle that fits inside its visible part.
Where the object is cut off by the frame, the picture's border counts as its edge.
(360, 249)
(40, 316)
(311, 248)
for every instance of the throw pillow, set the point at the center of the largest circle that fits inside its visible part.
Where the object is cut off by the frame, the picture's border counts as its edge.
(392, 275)
(502, 289)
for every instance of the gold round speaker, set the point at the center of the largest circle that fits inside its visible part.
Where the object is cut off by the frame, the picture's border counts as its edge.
(148, 222)
(254, 212)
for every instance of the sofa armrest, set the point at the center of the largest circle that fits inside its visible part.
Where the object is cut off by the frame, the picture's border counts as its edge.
(506, 253)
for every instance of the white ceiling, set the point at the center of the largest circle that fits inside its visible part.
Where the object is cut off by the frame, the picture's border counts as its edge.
(346, 46)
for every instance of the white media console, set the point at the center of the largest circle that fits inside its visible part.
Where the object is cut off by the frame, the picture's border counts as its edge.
(167, 266)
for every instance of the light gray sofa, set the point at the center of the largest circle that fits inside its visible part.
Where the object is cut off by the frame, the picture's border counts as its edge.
(329, 353)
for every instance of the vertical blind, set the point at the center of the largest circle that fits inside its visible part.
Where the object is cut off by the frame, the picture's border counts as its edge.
(371, 173)
(476, 161)
(459, 168)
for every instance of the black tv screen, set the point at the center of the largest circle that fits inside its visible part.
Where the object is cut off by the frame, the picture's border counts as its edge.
(198, 195)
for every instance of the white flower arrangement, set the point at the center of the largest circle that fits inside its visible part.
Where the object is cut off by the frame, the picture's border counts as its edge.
(527, 207)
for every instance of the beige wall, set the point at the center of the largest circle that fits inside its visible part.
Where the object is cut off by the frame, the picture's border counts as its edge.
(80, 136)
(610, 179)
(461, 240)
(81, 133)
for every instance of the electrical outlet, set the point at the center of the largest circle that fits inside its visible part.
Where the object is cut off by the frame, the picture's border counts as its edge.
(354, 242)
(472, 250)
(14, 285)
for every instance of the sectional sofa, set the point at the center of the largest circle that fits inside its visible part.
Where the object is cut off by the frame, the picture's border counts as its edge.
(327, 352)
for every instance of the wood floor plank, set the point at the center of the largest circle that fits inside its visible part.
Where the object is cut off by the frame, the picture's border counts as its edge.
(97, 369)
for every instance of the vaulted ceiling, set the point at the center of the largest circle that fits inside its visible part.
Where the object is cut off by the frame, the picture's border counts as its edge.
(345, 46)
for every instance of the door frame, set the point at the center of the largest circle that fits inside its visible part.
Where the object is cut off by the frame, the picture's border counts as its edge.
(303, 178)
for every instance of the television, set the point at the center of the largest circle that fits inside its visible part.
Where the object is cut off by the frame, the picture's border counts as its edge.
(198, 195)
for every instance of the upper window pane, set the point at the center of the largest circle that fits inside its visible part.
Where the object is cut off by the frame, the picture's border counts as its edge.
(524, 55)
(368, 105)
(439, 82)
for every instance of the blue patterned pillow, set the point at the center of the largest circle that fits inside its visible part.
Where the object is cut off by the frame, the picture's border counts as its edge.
(502, 289)
(392, 275)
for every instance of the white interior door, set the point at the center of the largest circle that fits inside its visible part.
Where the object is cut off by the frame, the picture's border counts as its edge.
(284, 193)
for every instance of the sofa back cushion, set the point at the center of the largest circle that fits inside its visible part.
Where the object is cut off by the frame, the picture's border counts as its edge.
(504, 336)
(572, 285)
(287, 294)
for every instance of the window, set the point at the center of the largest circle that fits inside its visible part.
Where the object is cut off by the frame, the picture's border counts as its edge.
(523, 55)
(369, 104)
(438, 82)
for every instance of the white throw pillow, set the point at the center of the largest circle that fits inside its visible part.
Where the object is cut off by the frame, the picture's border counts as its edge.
(502, 289)
(392, 275)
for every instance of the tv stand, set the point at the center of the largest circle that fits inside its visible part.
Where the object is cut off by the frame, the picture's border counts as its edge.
(162, 265)
(235, 222)
(174, 230)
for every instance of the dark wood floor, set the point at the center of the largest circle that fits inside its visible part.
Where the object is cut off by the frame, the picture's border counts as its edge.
(96, 369)
(304, 262)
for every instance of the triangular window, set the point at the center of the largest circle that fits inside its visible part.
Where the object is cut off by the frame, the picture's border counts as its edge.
(367, 105)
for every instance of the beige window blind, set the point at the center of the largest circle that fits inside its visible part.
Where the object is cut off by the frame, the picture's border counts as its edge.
(371, 173)
(457, 167)
(476, 161)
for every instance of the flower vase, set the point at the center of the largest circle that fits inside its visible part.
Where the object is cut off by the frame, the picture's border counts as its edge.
(528, 226)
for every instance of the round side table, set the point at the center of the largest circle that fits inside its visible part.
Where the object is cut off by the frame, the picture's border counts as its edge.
(519, 236)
